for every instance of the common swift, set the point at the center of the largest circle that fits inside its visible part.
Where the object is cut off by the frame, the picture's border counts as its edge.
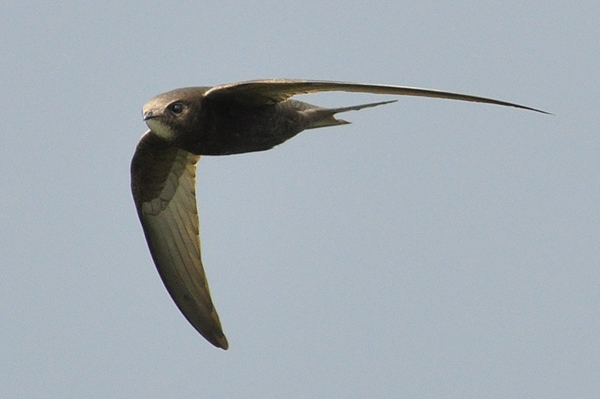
(226, 119)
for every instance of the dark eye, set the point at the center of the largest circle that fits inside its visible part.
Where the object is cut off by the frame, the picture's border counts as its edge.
(177, 108)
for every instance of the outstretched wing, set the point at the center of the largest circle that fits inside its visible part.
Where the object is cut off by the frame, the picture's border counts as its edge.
(163, 184)
(277, 90)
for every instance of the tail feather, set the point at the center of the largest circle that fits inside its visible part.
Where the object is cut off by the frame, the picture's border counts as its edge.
(322, 117)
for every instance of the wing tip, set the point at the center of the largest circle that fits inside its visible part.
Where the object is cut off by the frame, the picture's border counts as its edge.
(219, 341)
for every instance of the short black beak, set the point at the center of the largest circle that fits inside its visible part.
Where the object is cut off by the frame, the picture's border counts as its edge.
(148, 115)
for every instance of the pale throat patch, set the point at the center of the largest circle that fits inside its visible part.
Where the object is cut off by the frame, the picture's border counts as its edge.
(160, 129)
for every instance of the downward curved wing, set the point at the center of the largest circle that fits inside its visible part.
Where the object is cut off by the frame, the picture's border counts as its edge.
(277, 90)
(163, 185)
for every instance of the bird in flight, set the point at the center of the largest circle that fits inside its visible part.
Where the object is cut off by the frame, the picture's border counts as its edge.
(226, 119)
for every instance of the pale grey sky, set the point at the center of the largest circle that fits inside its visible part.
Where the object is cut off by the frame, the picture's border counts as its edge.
(432, 249)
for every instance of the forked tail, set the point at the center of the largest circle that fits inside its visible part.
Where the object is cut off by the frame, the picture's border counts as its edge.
(322, 117)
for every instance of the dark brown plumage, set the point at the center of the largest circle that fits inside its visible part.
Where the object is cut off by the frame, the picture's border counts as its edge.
(226, 119)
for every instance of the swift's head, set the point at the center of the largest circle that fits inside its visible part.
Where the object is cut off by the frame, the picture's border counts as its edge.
(169, 114)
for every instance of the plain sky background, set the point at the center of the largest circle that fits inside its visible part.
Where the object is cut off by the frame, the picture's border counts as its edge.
(432, 249)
